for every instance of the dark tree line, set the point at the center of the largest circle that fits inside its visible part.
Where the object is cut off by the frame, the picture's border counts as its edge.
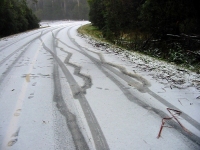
(167, 29)
(60, 9)
(15, 17)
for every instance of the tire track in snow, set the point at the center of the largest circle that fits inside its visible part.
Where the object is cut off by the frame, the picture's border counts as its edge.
(77, 71)
(139, 86)
(30, 35)
(70, 118)
(78, 93)
(24, 45)
(123, 70)
(147, 90)
(99, 139)
(14, 121)
(9, 44)
(132, 98)
(71, 121)
(10, 67)
(6, 58)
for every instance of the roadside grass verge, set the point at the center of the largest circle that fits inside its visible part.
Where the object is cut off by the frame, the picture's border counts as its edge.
(176, 56)
(92, 31)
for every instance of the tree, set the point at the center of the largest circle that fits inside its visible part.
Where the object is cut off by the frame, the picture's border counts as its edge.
(170, 17)
(96, 14)
(16, 17)
(151, 26)
(60, 9)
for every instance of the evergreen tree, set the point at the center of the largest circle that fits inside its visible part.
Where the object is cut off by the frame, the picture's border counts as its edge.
(60, 9)
(163, 28)
(15, 17)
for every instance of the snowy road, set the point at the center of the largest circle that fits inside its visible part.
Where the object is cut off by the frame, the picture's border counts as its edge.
(57, 91)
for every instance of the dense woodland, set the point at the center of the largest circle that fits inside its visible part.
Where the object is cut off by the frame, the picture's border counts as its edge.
(21, 15)
(60, 9)
(15, 17)
(169, 29)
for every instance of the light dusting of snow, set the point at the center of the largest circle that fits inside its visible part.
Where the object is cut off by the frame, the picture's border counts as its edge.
(175, 76)
(124, 123)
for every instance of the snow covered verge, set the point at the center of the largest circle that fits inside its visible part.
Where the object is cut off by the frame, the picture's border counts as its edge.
(178, 86)
(165, 73)
(54, 23)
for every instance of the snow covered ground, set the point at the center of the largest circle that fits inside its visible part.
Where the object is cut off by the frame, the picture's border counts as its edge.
(63, 90)
(178, 85)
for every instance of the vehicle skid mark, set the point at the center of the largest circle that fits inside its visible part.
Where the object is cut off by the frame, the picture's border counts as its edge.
(71, 121)
(77, 71)
(128, 78)
(21, 48)
(139, 86)
(99, 139)
(132, 98)
(10, 44)
(12, 65)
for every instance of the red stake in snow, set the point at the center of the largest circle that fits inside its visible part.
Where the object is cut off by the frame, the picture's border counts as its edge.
(173, 116)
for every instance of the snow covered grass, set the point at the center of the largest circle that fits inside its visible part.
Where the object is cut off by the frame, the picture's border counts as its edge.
(91, 30)
(175, 76)
(179, 86)
(176, 85)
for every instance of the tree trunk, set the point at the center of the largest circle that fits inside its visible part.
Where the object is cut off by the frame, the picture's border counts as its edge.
(65, 10)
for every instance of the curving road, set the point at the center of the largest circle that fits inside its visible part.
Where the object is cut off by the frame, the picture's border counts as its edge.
(59, 92)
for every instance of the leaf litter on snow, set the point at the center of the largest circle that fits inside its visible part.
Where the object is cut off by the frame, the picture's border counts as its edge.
(167, 73)
(179, 86)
